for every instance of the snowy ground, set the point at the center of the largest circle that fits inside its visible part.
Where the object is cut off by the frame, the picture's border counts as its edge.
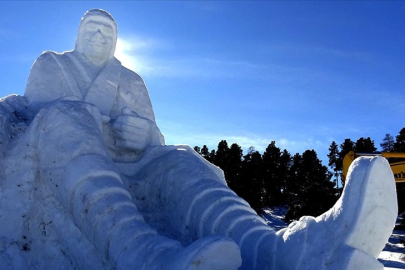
(393, 255)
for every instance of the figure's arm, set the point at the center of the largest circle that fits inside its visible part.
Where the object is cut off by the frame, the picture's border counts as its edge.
(46, 81)
(134, 124)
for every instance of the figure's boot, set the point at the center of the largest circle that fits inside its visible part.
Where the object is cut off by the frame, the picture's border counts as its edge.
(92, 193)
(353, 232)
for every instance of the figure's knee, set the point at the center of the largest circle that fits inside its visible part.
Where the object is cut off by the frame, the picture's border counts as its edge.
(189, 164)
(66, 130)
(68, 113)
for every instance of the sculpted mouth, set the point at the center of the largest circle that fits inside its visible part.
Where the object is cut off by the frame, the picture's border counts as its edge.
(97, 44)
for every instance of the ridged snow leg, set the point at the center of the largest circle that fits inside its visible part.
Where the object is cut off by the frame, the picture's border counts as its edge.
(213, 209)
(100, 206)
(104, 211)
(198, 204)
(90, 189)
(349, 236)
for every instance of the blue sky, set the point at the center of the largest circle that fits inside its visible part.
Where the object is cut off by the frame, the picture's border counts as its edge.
(300, 73)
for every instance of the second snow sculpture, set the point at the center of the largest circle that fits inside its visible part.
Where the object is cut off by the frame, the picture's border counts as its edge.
(105, 170)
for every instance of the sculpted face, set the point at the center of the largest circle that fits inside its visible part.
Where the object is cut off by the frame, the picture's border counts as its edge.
(97, 39)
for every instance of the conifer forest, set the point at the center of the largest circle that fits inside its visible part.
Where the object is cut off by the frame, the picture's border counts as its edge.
(298, 181)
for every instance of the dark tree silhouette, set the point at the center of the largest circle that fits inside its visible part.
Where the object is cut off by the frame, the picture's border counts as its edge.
(235, 166)
(364, 145)
(333, 162)
(345, 147)
(211, 156)
(197, 149)
(399, 145)
(205, 153)
(293, 184)
(388, 143)
(272, 175)
(221, 157)
(251, 174)
(285, 165)
(314, 192)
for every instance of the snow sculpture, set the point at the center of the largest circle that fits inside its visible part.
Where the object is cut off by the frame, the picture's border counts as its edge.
(89, 184)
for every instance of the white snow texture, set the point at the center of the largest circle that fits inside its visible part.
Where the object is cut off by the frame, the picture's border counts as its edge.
(87, 183)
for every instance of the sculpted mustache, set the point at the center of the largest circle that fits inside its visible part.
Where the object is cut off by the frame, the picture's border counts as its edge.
(96, 42)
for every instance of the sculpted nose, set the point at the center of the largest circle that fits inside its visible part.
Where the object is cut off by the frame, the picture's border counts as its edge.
(98, 36)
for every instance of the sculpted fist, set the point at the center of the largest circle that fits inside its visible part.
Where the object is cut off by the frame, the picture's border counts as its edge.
(130, 131)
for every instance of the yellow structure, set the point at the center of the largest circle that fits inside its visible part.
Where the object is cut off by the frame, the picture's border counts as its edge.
(397, 167)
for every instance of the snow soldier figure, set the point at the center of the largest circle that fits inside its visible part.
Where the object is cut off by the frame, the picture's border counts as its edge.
(143, 205)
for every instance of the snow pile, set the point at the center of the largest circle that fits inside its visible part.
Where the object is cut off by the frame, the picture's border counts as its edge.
(393, 254)
(30, 224)
(274, 217)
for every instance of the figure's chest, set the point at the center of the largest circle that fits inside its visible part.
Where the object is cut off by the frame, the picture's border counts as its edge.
(97, 86)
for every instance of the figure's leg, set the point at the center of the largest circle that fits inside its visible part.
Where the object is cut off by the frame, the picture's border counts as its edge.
(197, 204)
(74, 165)
(349, 236)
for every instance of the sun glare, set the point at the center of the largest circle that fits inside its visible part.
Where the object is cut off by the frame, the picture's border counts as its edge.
(125, 52)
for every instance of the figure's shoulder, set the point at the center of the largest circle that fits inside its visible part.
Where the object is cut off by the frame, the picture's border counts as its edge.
(46, 64)
(126, 73)
(50, 57)
(50, 53)
(47, 58)
(47, 80)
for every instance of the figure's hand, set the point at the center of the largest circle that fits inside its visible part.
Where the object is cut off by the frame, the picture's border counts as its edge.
(98, 117)
(130, 131)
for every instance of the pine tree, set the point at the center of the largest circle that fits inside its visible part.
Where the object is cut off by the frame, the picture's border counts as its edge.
(221, 157)
(197, 149)
(314, 193)
(252, 179)
(333, 162)
(388, 143)
(205, 153)
(345, 147)
(285, 165)
(364, 145)
(293, 184)
(399, 145)
(273, 178)
(211, 156)
(234, 169)
(251, 150)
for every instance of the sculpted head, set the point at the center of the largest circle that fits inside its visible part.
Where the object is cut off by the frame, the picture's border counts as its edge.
(97, 36)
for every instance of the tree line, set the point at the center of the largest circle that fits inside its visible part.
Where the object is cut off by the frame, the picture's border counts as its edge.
(301, 182)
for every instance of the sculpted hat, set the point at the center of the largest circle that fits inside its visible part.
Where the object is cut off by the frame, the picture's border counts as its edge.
(99, 14)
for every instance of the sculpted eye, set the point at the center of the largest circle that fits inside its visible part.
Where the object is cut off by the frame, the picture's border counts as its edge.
(107, 30)
(91, 27)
